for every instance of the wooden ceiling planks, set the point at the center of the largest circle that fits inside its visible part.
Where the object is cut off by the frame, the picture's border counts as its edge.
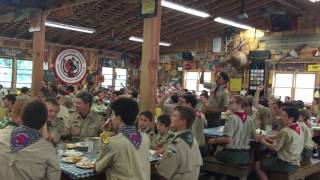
(121, 17)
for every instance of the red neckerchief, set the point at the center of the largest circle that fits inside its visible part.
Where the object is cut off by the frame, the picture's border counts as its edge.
(295, 127)
(242, 115)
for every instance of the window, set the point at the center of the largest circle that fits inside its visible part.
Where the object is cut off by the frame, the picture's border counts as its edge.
(121, 78)
(298, 86)
(107, 73)
(192, 81)
(116, 77)
(24, 73)
(6, 72)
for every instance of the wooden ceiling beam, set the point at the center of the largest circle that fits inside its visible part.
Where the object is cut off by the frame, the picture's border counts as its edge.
(290, 5)
(199, 25)
(138, 25)
(192, 35)
(176, 24)
(70, 20)
(61, 4)
(21, 28)
(82, 19)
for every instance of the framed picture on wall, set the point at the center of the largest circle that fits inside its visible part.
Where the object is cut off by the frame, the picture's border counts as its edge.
(148, 8)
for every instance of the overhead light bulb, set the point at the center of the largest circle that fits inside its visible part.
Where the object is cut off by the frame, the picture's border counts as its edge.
(232, 23)
(138, 39)
(184, 9)
(69, 27)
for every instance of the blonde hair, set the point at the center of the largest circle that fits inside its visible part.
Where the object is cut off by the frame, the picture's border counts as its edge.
(19, 105)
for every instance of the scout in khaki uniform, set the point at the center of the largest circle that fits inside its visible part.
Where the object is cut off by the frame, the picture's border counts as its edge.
(162, 139)
(144, 124)
(55, 125)
(237, 133)
(25, 154)
(306, 154)
(15, 118)
(182, 158)
(288, 145)
(126, 155)
(199, 122)
(218, 100)
(84, 123)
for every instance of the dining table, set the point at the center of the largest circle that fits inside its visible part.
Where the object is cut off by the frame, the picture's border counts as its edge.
(70, 171)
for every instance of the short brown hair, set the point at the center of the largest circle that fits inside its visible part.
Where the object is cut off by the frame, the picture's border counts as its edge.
(19, 105)
(240, 100)
(186, 113)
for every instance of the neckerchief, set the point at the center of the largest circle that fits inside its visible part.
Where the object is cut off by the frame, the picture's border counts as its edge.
(186, 137)
(242, 115)
(22, 137)
(295, 127)
(133, 135)
(7, 122)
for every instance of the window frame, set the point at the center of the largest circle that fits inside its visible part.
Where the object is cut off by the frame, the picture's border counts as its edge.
(198, 89)
(293, 85)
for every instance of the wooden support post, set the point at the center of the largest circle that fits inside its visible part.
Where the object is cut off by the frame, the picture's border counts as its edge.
(38, 56)
(149, 62)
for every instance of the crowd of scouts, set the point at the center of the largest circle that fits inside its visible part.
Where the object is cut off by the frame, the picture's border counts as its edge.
(31, 128)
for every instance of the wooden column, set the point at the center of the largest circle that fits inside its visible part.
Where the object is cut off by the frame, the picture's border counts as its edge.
(38, 55)
(149, 62)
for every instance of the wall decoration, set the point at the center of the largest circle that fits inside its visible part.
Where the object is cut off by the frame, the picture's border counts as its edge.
(70, 66)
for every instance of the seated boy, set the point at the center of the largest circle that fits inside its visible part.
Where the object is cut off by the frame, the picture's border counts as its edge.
(306, 154)
(145, 122)
(161, 140)
(125, 155)
(288, 145)
(182, 158)
(25, 154)
(239, 129)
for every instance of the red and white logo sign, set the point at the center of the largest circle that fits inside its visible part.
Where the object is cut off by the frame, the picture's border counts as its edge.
(70, 66)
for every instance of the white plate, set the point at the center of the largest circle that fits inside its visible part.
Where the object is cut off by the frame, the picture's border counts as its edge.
(82, 144)
(72, 153)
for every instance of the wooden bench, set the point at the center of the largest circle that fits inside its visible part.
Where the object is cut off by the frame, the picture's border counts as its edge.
(210, 164)
(304, 171)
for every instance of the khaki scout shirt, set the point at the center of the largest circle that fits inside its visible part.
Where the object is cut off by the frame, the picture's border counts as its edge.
(120, 160)
(308, 134)
(240, 132)
(149, 131)
(38, 161)
(63, 113)
(90, 126)
(220, 100)
(289, 145)
(266, 115)
(56, 129)
(183, 162)
(161, 140)
(197, 130)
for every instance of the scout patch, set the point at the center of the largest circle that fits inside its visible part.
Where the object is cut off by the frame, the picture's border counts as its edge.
(22, 137)
(169, 151)
(133, 135)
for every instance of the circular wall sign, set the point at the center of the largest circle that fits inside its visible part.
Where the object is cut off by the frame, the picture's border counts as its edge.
(70, 66)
